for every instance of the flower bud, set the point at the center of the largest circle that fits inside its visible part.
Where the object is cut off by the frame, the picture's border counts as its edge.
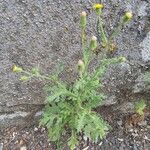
(128, 16)
(35, 71)
(16, 69)
(122, 59)
(112, 47)
(81, 66)
(83, 20)
(93, 43)
(24, 78)
(98, 7)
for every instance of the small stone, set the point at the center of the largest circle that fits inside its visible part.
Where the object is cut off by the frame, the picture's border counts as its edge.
(130, 130)
(146, 138)
(135, 131)
(23, 148)
(135, 147)
(21, 142)
(1, 146)
(86, 148)
(135, 134)
(85, 138)
(143, 123)
(42, 129)
(14, 134)
(121, 140)
(35, 129)
(100, 143)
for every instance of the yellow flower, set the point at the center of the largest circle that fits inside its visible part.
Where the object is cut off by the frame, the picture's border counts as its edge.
(128, 15)
(98, 6)
(16, 69)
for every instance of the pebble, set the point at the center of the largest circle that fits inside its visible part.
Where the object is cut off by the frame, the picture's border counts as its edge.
(135, 147)
(23, 148)
(14, 134)
(135, 134)
(35, 129)
(146, 138)
(143, 123)
(100, 143)
(1, 146)
(86, 148)
(121, 140)
(43, 129)
(135, 131)
(131, 130)
(21, 142)
(85, 138)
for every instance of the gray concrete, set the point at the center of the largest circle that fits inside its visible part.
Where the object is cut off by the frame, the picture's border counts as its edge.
(145, 46)
(46, 32)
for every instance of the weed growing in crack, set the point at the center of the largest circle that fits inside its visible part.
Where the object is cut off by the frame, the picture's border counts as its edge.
(139, 107)
(70, 107)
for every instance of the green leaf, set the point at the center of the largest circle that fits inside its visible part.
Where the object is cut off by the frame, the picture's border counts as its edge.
(80, 122)
(73, 141)
(56, 95)
(54, 133)
(95, 101)
(35, 71)
(140, 106)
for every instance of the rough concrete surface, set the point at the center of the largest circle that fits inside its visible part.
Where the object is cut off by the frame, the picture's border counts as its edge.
(45, 32)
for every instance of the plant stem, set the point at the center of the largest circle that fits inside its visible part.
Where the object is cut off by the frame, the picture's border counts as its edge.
(101, 30)
(83, 38)
(116, 30)
(48, 78)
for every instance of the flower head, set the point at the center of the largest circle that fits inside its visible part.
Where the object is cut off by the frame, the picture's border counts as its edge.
(122, 59)
(81, 66)
(97, 7)
(17, 69)
(127, 16)
(93, 43)
(83, 13)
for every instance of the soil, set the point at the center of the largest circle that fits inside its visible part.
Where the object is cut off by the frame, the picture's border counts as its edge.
(124, 135)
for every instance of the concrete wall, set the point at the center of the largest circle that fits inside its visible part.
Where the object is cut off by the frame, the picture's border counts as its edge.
(46, 32)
